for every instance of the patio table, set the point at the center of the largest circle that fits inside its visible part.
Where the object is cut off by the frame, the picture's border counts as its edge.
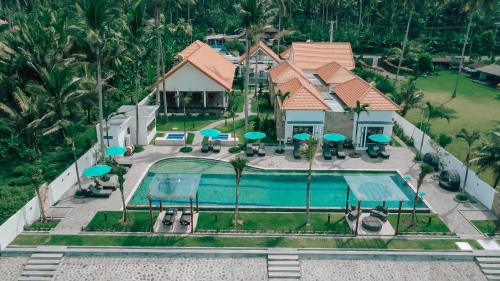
(372, 223)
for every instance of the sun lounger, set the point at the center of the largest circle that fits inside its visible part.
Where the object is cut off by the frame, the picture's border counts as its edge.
(327, 152)
(382, 152)
(99, 193)
(249, 150)
(169, 217)
(382, 209)
(261, 150)
(372, 152)
(186, 217)
(112, 183)
(379, 215)
(216, 146)
(296, 151)
(204, 146)
(340, 151)
(352, 214)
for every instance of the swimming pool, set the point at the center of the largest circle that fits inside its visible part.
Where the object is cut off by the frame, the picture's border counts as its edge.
(265, 188)
(222, 137)
(174, 136)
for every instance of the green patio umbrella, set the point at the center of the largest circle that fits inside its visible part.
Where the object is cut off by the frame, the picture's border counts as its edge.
(97, 171)
(302, 136)
(334, 137)
(210, 133)
(254, 135)
(115, 151)
(380, 138)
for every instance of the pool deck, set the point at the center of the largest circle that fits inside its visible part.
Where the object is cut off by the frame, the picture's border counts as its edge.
(455, 215)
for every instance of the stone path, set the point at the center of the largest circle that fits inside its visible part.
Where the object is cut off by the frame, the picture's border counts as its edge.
(41, 266)
(11, 267)
(490, 265)
(283, 264)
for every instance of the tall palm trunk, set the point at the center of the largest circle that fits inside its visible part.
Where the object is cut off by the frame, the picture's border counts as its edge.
(185, 136)
(462, 55)
(101, 105)
(124, 214)
(279, 30)
(236, 210)
(247, 77)
(404, 46)
(356, 133)
(43, 217)
(360, 21)
(256, 80)
(467, 162)
(308, 193)
(77, 170)
(159, 49)
(136, 101)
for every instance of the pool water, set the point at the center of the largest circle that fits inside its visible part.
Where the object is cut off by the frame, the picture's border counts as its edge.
(266, 188)
(175, 136)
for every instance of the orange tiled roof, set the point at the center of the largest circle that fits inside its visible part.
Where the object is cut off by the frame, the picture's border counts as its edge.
(208, 61)
(264, 48)
(285, 71)
(310, 56)
(302, 96)
(285, 54)
(358, 89)
(334, 73)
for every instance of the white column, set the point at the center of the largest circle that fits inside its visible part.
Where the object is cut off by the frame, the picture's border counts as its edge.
(224, 99)
(204, 99)
(177, 99)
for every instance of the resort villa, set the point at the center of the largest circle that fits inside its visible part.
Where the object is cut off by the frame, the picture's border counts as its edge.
(314, 89)
(204, 74)
(262, 58)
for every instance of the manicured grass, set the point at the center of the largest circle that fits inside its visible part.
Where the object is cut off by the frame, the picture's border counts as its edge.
(436, 226)
(137, 221)
(475, 105)
(39, 226)
(485, 226)
(235, 241)
(240, 129)
(193, 123)
(272, 222)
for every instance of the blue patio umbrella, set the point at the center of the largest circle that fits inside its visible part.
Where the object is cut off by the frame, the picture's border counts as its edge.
(407, 177)
(380, 138)
(97, 171)
(421, 194)
(334, 137)
(302, 136)
(115, 150)
(210, 133)
(254, 135)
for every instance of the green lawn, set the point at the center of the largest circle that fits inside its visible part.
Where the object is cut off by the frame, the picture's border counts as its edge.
(272, 222)
(476, 105)
(240, 129)
(39, 226)
(137, 221)
(193, 123)
(235, 241)
(485, 226)
(436, 226)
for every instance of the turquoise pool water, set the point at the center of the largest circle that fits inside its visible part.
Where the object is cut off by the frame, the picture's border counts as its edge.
(265, 188)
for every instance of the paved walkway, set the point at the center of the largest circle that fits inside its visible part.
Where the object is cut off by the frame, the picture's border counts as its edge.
(401, 159)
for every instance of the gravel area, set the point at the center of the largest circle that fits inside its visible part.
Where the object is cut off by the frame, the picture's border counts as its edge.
(156, 268)
(389, 269)
(11, 267)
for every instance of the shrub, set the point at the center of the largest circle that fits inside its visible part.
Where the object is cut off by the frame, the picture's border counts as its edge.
(235, 45)
(425, 63)
(186, 149)
(139, 149)
(444, 140)
(234, 149)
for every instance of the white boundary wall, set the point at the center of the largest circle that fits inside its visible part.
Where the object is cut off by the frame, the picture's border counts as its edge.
(476, 187)
(31, 211)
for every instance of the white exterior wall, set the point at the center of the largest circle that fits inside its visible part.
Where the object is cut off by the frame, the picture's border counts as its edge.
(116, 130)
(316, 117)
(384, 117)
(189, 79)
(476, 187)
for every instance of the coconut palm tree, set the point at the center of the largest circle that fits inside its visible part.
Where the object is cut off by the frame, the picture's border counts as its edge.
(239, 165)
(411, 5)
(425, 169)
(281, 6)
(310, 153)
(281, 97)
(358, 109)
(38, 183)
(431, 112)
(121, 180)
(186, 99)
(96, 15)
(470, 138)
(487, 157)
(408, 97)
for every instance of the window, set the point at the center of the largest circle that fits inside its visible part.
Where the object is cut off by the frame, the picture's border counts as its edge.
(302, 129)
(262, 73)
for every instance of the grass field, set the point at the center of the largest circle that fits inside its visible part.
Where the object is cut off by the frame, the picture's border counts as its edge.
(485, 226)
(477, 108)
(240, 129)
(193, 123)
(110, 221)
(273, 222)
(235, 241)
(436, 226)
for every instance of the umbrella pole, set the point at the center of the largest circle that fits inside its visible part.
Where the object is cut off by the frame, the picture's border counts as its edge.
(357, 218)
(347, 202)
(399, 215)
(192, 216)
(197, 207)
(150, 215)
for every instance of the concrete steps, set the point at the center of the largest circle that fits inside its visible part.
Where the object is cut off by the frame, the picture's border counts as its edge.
(283, 267)
(490, 266)
(41, 267)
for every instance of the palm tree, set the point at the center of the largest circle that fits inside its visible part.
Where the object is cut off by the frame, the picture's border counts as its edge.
(470, 138)
(239, 165)
(358, 109)
(186, 99)
(121, 180)
(408, 97)
(430, 113)
(410, 4)
(425, 169)
(253, 13)
(471, 6)
(310, 153)
(97, 14)
(232, 108)
(281, 97)
(159, 47)
(487, 157)
(281, 7)
(135, 32)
